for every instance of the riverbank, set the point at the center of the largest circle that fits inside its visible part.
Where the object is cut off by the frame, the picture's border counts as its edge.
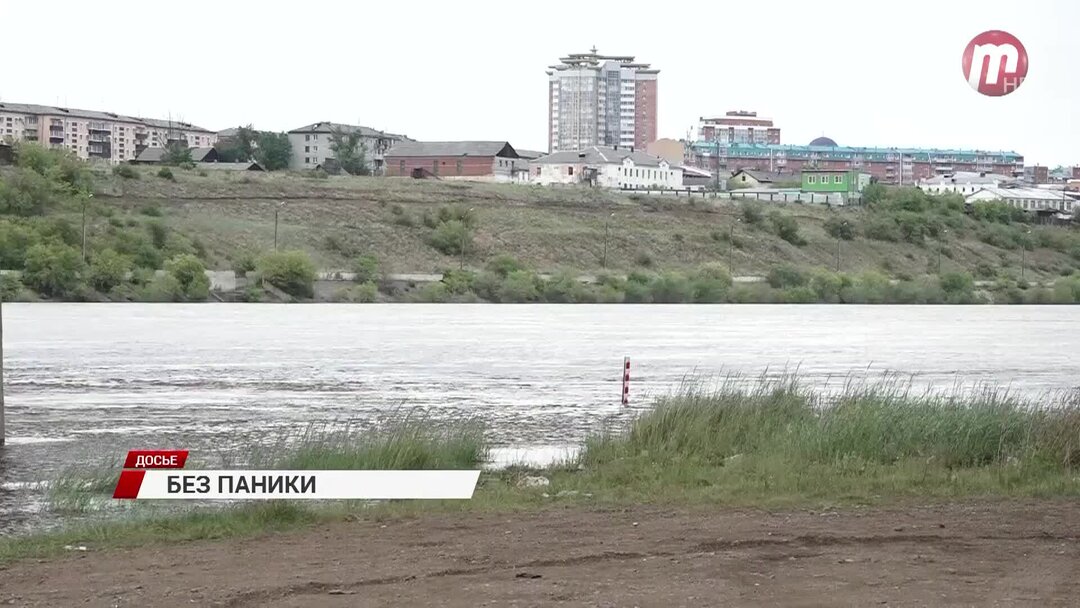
(770, 445)
(504, 238)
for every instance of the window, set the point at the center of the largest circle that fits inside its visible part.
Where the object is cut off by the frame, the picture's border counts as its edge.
(569, 170)
(837, 179)
(401, 167)
(307, 148)
(307, 160)
(811, 179)
(307, 138)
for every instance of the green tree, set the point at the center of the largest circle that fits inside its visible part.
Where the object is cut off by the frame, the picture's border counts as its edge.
(53, 269)
(366, 269)
(290, 271)
(176, 153)
(25, 193)
(108, 269)
(451, 236)
(350, 152)
(190, 274)
(239, 148)
(274, 150)
(839, 228)
(874, 193)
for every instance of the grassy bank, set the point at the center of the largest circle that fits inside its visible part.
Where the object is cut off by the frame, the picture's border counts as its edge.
(644, 248)
(770, 444)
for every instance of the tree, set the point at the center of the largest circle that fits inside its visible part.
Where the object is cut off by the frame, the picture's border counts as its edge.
(176, 153)
(240, 147)
(349, 151)
(873, 193)
(839, 228)
(108, 269)
(190, 273)
(53, 269)
(291, 271)
(25, 193)
(274, 150)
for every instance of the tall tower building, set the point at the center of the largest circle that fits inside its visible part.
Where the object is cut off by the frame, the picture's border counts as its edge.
(600, 100)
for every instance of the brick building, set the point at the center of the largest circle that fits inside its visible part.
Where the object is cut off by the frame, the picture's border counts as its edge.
(470, 160)
(738, 127)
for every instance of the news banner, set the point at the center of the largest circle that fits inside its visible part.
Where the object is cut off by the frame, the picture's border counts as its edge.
(160, 475)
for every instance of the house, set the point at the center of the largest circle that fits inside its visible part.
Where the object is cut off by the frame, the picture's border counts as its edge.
(608, 167)
(530, 154)
(469, 160)
(1037, 200)
(836, 181)
(963, 182)
(204, 155)
(700, 179)
(746, 178)
(240, 166)
(152, 156)
(312, 145)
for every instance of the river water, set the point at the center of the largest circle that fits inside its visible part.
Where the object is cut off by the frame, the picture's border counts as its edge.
(85, 382)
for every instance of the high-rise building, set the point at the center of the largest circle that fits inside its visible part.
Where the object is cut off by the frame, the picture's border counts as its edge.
(600, 100)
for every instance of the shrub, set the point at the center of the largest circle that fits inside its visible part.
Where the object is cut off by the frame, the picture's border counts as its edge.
(25, 193)
(363, 293)
(108, 269)
(10, 286)
(799, 295)
(752, 213)
(874, 193)
(190, 274)
(984, 270)
(151, 210)
(290, 271)
(457, 213)
(710, 284)
(458, 282)
(828, 286)
(433, 293)
(125, 171)
(166, 173)
(429, 219)
(53, 269)
(451, 237)
(504, 264)
(839, 228)
(786, 228)
(957, 282)
(998, 235)
(159, 233)
(518, 286)
(999, 212)
(15, 240)
(319, 174)
(644, 260)
(406, 220)
(882, 229)
(366, 269)
(786, 275)
(670, 288)
(566, 288)
(243, 263)
(162, 288)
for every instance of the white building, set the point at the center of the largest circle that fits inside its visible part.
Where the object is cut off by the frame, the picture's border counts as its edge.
(311, 145)
(1028, 199)
(618, 168)
(963, 182)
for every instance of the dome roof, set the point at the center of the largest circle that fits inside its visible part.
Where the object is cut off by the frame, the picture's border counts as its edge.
(823, 141)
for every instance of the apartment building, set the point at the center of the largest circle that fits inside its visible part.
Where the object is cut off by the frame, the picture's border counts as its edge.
(901, 166)
(93, 135)
(311, 145)
(738, 127)
(601, 100)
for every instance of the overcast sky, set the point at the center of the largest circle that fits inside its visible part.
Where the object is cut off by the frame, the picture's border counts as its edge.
(863, 73)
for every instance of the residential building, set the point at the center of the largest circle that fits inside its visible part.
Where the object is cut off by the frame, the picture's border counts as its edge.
(1037, 174)
(90, 134)
(834, 181)
(608, 167)
(745, 178)
(529, 154)
(467, 160)
(1036, 200)
(902, 166)
(601, 100)
(311, 145)
(151, 156)
(738, 127)
(964, 182)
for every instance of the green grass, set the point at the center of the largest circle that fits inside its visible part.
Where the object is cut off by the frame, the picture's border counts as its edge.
(750, 443)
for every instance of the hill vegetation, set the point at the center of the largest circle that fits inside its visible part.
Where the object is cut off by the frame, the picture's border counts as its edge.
(150, 233)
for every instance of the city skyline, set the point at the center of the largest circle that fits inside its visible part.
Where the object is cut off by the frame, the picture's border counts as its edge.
(826, 69)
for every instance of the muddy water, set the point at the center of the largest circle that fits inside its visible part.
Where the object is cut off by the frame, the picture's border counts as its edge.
(86, 381)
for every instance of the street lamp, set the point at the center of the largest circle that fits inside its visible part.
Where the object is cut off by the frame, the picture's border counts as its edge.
(607, 234)
(941, 245)
(464, 229)
(277, 209)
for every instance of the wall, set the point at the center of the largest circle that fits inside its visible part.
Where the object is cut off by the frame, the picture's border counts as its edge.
(645, 102)
(671, 150)
(615, 176)
(450, 166)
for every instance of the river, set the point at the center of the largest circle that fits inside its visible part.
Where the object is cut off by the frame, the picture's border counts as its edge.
(85, 382)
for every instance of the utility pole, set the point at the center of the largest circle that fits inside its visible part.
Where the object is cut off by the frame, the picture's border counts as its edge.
(1023, 253)
(941, 245)
(276, 210)
(85, 200)
(2, 413)
(464, 229)
(731, 248)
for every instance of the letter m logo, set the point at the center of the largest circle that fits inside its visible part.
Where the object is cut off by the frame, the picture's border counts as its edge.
(990, 55)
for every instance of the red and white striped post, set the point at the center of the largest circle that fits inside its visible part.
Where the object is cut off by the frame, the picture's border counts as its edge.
(626, 381)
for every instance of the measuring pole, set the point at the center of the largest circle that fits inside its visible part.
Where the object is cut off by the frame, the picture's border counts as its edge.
(626, 381)
(2, 433)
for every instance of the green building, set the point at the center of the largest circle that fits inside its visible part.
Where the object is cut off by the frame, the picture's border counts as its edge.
(834, 181)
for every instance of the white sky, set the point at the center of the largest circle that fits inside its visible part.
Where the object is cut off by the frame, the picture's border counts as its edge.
(863, 73)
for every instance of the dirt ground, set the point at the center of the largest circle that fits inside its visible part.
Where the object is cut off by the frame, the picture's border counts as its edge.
(973, 554)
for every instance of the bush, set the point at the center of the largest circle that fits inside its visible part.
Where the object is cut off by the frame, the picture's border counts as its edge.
(518, 286)
(451, 237)
(882, 229)
(984, 270)
(565, 288)
(957, 283)
(786, 275)
(363, 293)
(504, 264)
(53, 269)
(108, 269)
(366, 269)
(290, 271)
(10, 286)
(752, 213)
(839, 228)
(243, 263)
(874, 193)
(190, 274)
(125, 171)
(670, 288)
(166, 173)
(25, 193)
(458, 282)
(1005, 237)
(162, 288)
(786, 228)
(799, 295)
(457, 213)
(151, 210)
(999, 212)
(433, 293)
(828, 285)
(15, 240)
(644, 260)
(710, 284)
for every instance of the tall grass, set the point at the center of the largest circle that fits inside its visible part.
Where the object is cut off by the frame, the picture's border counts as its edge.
(881, 424)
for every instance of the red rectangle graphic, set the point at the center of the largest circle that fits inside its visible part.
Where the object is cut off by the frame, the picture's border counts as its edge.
(155, 459)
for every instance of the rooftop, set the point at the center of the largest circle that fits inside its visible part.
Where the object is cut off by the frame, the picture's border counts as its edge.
(30, 108)
(765, 149)
(601, 155)
(453, 148)
(330, 127)
(1021, 193)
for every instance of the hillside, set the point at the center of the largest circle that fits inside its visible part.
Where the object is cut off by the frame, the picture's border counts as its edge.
(230, 217)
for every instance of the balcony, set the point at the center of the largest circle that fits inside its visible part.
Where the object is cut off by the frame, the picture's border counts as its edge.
(56, 135)
(98, 137)
(98, 126)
